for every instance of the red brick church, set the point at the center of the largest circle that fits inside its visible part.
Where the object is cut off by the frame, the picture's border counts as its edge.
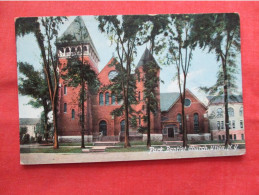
(98, 106)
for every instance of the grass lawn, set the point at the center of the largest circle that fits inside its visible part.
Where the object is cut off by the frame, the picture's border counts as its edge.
(131, 149)
(132, 143)
(51, 150)
(75, 144)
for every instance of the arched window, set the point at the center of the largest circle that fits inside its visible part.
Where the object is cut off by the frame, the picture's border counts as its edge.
(219, 113)
(113, 99)
(61, 50)
(107, 98)
(196, 122)
(85, 48)
(230, 112)
(122, 125)
(67, 49)
(73, 49)
(139, 120)
(103, 128)
(65, 107)
(101, 98)
(73, 114)
(241, 111)
(65, 89)
(179, 120)
(139, 96)
(78, 49)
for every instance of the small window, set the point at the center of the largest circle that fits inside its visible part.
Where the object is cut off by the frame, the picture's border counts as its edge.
(196, 122)
(65, 89)
(187, 102)
(242, 136)
(235, 137)
(241, 111)
(179, 120)
(223, 137)
(85, 48)
(107, 98)
(230, 112)
(233, 124)
(67, 49)
(230, 136)
(143, 107)
(61, 50)
(73, 114)
(218, 125)
(219, 137)
(73, 49)
(139, 120)
(65, 107)
(222, 124)
(78, 49)
(113, 99)
(219, 113)
(241, 124)
(139, 96)
(101, 98)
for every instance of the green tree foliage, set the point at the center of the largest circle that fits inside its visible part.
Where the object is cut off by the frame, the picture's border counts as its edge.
(153, 28)
(33, 84)
(23, 132)
(122, 31)
(45, 29)
(220, 33)
(180, 51)
(79, 72)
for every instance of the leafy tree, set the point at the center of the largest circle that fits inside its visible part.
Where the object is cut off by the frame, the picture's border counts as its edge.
(180, 51)
(221, 33)
(153, 29)
(78, 72)
(23, 131)
(122, 31)
(45, 30)
(33, 84)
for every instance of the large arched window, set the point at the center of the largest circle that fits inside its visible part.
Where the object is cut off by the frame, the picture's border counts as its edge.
(241, 111)
(219, 113)
(113, 99)
(122, 125)
(179, 120)
(103, 127)
(230, 112)
(196, 122)
(107, 98)
(101, 98)
(73, 114)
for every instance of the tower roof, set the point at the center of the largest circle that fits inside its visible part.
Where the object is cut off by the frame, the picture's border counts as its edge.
(73, 32)
(146, 57)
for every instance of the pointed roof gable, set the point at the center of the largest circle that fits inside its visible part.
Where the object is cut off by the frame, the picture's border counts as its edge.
(146, 57)
(73, 30)
(167, 100)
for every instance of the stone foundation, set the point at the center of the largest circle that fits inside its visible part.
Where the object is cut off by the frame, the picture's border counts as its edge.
(154, 137)
(74, 139)
(199, 137)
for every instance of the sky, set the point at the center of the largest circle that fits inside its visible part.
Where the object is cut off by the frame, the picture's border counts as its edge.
(202, 72)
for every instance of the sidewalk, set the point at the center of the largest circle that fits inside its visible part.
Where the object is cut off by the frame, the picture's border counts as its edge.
(58, 158)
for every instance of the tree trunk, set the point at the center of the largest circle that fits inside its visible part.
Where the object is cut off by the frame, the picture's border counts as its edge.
(226, 103)
(126, 144)
(148, 124)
